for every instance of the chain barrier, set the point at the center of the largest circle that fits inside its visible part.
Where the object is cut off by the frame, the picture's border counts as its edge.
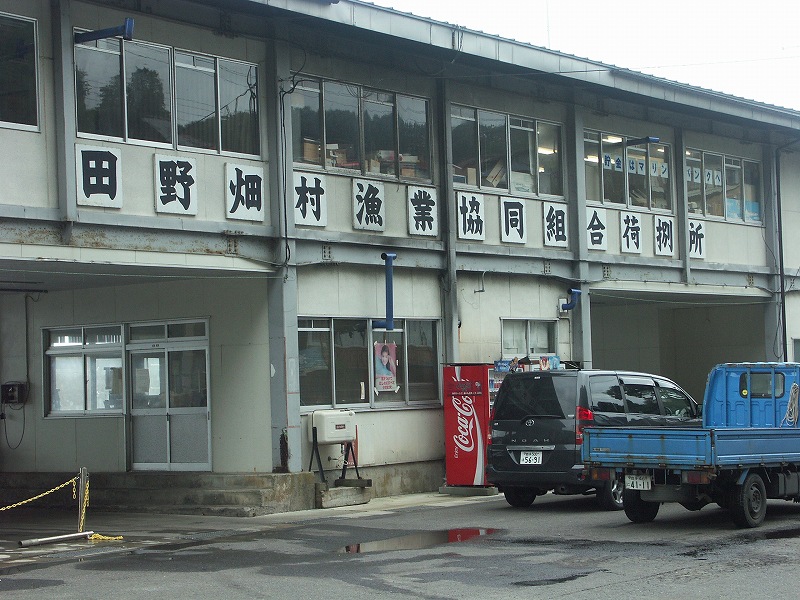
(84, 506)
(72, 481)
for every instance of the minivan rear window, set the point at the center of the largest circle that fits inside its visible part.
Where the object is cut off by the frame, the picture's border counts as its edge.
(536, 395)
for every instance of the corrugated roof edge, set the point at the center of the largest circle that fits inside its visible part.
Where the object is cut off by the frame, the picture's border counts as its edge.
(786, 117)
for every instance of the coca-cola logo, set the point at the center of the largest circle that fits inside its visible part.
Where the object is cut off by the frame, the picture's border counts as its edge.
(465, 423)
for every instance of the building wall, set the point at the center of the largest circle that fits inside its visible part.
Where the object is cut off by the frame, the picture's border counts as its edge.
(239, 373)
(678, 341)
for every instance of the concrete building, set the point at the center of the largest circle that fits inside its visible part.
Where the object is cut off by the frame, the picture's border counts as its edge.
(193, 217)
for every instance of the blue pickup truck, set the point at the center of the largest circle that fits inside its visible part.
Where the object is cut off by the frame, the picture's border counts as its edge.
(748, 449)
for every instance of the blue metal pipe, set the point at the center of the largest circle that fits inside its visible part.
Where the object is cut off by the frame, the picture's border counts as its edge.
(125, 30)
(388, 324)
(574, 296)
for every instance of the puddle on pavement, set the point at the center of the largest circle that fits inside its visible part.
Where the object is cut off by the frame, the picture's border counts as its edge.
(417, 541)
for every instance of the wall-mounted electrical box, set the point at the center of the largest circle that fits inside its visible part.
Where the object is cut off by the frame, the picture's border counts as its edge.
(333, 426)
(13, 393)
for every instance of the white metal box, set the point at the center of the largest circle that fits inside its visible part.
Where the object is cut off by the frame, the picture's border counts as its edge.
(333, 426)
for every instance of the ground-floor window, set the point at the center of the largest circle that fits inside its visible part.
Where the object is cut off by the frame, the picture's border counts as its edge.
(345, 362)
(527, 338)
(93, 369)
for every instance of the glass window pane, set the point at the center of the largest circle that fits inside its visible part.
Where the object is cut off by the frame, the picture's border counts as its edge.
(148, 92)
(98, 90)
(103, 335)
(66, 383)
(733, 188)
(694, 181)
(642, 399)
(515, 338)
(315, 368)
(18, 56)
(379, 144)
(148, 380)
(613, 168)
(104, 385)
(306, 128)
(187, 379)
(238, 107)
(66, 337)
(196, 101)
(660, 177)
(523, 160)
(422, 360)
(542, 338)
(493, 149)
(342, 145)
(591, 164)
(606, 395)
(712, 177)
(465, 145)
(415, 153)
(548, 149)
(675, 403)
(637, 176)
(351, 356)
(184, 330)
(139, 333)
(752, 191)
(390, 366)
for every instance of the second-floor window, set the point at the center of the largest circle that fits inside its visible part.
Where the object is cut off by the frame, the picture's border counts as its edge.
(506, 153)
(18, 102)
(125, 90)
(346, 126)
(627, 171)
(723, 186)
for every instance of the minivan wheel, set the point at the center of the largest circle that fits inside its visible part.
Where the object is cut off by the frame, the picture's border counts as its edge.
(609, 496)
(520, 497)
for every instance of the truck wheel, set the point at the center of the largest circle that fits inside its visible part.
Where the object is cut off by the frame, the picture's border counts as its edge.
(749, 505)
(638, 510)
(609, 496)
(520, 497)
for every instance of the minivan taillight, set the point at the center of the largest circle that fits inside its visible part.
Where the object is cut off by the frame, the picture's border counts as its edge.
(583, 418)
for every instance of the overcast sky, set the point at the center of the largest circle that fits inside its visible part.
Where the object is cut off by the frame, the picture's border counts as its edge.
(743, 48)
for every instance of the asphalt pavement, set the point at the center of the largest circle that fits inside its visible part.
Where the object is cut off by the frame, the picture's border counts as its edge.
(27, 533)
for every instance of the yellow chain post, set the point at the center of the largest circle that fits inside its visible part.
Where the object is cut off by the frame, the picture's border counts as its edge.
(84, 488)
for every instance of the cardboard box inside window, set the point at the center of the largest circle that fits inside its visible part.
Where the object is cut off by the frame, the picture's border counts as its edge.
(311, 151)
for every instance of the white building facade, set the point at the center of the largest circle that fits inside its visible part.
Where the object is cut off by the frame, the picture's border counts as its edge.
(193, 222)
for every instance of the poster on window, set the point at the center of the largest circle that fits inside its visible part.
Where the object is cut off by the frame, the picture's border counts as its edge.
(385, 367)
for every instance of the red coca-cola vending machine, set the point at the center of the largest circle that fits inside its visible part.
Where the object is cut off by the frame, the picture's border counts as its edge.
(467, 392)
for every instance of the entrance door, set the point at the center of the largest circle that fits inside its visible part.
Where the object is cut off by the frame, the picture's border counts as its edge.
(169, 408)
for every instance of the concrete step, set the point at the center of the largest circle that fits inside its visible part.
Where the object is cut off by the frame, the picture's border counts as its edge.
(188, 493)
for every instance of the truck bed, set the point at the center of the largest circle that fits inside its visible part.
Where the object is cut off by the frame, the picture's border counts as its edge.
(688, 448)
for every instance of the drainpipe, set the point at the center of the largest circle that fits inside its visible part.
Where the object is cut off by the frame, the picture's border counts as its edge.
(574, 296)
(781, 268)
(388, 324)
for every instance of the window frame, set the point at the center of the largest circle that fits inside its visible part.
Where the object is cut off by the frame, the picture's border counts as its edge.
(551, 324)
(36, 127)
(650, 152)
(515, 122)
(85, 350)
(727, 160)
(123, 348)
(374, 401)
(174, 145)
(302, 81)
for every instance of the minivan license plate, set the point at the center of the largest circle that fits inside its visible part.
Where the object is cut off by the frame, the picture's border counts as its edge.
(638, 482)
(530, 458)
